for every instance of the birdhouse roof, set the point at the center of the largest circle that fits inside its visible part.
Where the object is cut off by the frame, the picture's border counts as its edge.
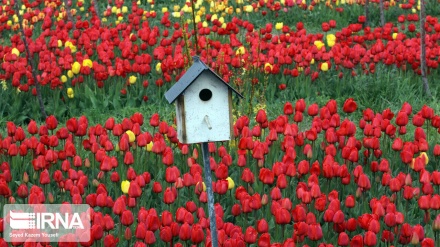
(189, 77)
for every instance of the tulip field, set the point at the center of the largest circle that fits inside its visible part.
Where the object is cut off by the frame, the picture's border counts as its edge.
(335, 143)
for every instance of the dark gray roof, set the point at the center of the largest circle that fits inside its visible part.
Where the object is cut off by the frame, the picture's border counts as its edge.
(189, 77)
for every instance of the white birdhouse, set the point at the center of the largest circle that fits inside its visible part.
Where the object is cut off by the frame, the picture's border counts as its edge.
(203, 105)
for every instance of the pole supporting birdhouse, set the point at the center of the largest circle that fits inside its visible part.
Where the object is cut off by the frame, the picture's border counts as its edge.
(209, 190)
(203, 114)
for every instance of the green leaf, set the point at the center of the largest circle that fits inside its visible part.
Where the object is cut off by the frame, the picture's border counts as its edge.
(90, 95)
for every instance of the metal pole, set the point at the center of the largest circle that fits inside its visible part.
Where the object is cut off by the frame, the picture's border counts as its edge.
(208, 181)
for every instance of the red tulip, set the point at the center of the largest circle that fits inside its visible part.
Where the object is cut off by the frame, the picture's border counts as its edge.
(32, 127)
(150, 238)
(370, 239)
(222, 171)
(357, 241)
(172, 174)
(427, 242)
(157, 187)
(110, 241)
(168, 196)
(127, 218)
(261, 118)
(197, 234)
(262, 226)
(51, 122)
(325, 27)
(185, 232)
(264, 240)
(167, 156)
(406, 155)
(166, 234)
(315, 232)
(395, 185)
(22, 191)
(119, 207)
(154, 120)
(134, 190)
(250, 235)
(288, 108)
(282, 216)
(221, 186)
(343, 239)
(266, 176)
(349, 106)
(402, 118)
(44, 177)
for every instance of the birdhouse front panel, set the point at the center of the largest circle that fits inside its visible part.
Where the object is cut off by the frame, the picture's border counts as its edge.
(204, 111)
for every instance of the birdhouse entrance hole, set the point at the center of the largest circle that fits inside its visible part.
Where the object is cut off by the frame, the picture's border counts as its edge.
(205, 94)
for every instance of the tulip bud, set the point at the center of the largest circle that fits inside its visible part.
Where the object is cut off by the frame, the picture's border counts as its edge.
(12, 200)
(264, 199)
(358, 192)
(179, 183)
(87, 163)
(415, 239)
(95, 182)
(50, 198)
(25, 177)
(393, 197)
(261, 163)
(101, 174)
(127, 234)
(436, 223)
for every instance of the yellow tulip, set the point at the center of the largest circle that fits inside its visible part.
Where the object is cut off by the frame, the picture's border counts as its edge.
(394, 35)
(319, 44)
(63, 78)
(248, 8)
(278, 25)
(70, 93)
(125, 185)
(149, 146)
(231, 183)
(131, 136)
(87, 63)
(76, 67)
(132, 79)
(240, 51)
(159, 67)
(15, 51)
(164, 9)
(331, 39)
(324, 66)
(425, 157)
(197, 19)
(124, 9)
(176, 14)
(268, 67)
